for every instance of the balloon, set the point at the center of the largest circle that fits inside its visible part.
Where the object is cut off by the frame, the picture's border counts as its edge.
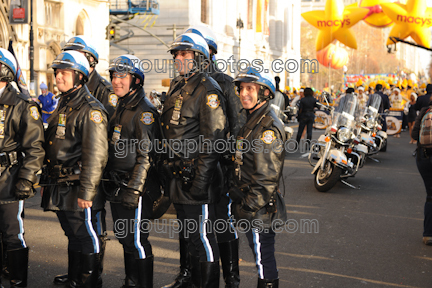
(334, 23)
(333, 56)
(413, 19)
(376, 16)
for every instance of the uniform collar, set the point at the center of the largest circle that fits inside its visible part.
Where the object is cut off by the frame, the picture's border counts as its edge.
(93, 81)
(192, 83)
(132, 100)
(74, 100)
(9, 95)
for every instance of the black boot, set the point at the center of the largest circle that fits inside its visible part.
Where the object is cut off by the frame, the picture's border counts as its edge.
(145, 267)
(5, 270)
(139, 272)
(74, 258)
(131, 270)
(266, 283)
(195, 271)
(18, 266)
(230, 263)
(102, 245)
(1, 261)
(183, 279)
(210, 273)
(88, 276)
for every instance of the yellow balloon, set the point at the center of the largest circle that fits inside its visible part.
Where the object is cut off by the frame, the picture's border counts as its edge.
(334, 23)
(413, 19)
(376, 16)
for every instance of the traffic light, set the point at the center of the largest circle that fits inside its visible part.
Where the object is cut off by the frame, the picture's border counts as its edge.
(112, 32)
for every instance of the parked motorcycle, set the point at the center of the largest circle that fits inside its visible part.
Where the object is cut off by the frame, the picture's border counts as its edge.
(336, 150)
(278, 105)
(371, 134)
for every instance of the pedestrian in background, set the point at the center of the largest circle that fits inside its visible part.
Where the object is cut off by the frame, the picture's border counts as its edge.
(411, 114)
(424, 165)
(48, 102)
(306, 114)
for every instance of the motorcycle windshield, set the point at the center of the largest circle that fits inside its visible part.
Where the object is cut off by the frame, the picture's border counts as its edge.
(344, 114)
(278, 103)
(373, 105)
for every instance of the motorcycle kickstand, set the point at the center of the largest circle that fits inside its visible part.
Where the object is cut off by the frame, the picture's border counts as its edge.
(373, 159)
(350, 185)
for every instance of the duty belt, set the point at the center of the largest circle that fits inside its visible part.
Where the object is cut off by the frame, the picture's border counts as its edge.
(8, 159)
(65, 175)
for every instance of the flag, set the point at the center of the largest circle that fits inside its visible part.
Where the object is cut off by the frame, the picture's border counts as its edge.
(259, 27)
(19, 77)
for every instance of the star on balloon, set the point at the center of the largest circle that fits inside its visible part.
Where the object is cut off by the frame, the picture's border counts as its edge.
(412, 19)
(335, 22)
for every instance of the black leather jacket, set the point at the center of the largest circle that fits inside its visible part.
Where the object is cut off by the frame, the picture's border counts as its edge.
(236, 116)
(85, 144)
(102, 90)
(261, 170)
(202, 116)
(140, 126)
(307, 105)
(23, 132)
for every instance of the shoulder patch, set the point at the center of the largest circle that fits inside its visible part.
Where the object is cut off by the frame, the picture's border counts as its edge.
(268, 137)
(96, 116)
(213, 101)
(147, 118)
(34, 113)
(113, 99)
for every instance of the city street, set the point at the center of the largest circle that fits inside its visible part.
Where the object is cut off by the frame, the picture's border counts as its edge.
(371, 237)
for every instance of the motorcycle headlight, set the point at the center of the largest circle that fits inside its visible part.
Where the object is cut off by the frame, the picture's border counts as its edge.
(344, 134)
(370, 123)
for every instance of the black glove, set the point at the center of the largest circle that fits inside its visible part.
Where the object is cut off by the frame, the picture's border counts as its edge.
(130, 198)
(23, 189)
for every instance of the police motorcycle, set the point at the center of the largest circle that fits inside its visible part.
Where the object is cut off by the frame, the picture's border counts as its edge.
(371, 134)
(336, 149)
(278, 105)
(154, 97)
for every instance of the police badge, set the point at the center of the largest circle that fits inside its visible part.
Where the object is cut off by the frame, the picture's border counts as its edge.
(113, 99)
(34, 113)
(268, 137)
(147, 118)
(96, 116)
(213, 101)
(61, 127)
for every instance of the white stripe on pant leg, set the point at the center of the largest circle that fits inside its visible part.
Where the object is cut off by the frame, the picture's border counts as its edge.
(203, 236)
(137, 236)
(258, 254)
(20, 223)
(230, 216)
(90, 229)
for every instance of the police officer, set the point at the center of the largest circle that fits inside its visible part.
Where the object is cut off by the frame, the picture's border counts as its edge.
(256, 193)
(102, 90)
(385, 105)
(76, 154)
(194, 112)
(99, 87)
(136, 124)
(21, 157)
(227, 238)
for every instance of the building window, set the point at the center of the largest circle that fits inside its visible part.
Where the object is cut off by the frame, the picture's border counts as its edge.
(204, 11)
(250, 15)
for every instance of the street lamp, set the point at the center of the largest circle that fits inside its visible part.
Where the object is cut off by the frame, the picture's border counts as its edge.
(239, 26)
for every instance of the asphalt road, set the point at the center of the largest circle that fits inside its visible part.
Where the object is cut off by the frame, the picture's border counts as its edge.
(371, 237)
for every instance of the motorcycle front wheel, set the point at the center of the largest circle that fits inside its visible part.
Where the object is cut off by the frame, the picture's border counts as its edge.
(327, 178)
